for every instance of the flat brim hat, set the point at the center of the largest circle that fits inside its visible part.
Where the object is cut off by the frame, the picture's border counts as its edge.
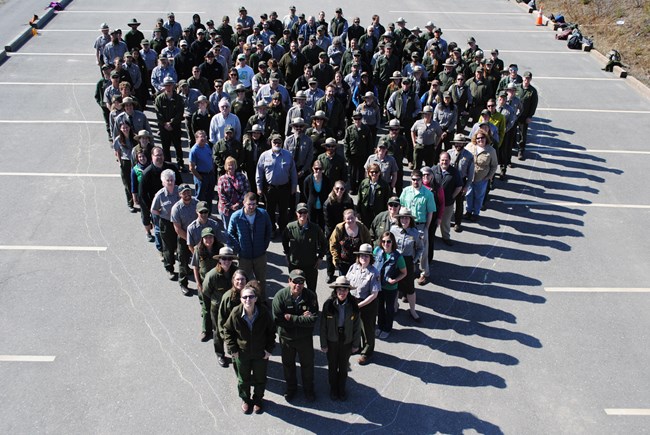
(256, 128)
(447, 64)
(320, 114)
(369, 94)
(261, 103)
(128, 100)
(427, 109)
(343, 282)
(459, 138)
(394, 123)
(396, 76)
(364, 249)
(300, 95)
(133, 22)
(226, 252)
(405, 212)
(143, 133)
(298, 121)
(330, 142)
(103, 26)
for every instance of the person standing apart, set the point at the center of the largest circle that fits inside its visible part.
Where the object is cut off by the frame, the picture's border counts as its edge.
(250, 338)
(340, 334)
(295, 311)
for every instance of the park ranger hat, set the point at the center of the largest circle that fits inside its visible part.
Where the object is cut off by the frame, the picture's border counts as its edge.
(134, 22)
(297, 121)
(320, 114)
(201, 99)
(300, 95)
(394, 123)
(143, 133)
(168, 80)
(261, 103)
(256, 129)
(405, 212)
(330, 142)
(511, 87)
(364, 249)
(225, 252)
(427, 109)
(341, 281)
(396, 76)
(128, 100)
(459, 139)
(103, 26)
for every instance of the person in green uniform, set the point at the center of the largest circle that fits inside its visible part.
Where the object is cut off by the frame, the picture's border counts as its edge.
(203, 263)
(304, 245)
(249, 334)
(230, 300)
(295, 311)
(340, 334)
(217, 281)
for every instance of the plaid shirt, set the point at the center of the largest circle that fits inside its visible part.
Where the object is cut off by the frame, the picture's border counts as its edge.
(231, 190)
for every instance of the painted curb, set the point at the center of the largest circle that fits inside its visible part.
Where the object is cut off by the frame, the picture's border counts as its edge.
(26, 35)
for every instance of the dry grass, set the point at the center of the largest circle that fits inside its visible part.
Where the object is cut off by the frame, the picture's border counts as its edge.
(598, 18)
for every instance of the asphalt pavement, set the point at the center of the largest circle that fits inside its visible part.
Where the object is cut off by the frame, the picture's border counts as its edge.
(536, 320)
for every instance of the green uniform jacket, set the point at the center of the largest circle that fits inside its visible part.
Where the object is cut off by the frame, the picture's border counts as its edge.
(528, 99)
(336, 116)
(250, 344)
(329, 324)
(335, 168)
(384, 69)
(382, 193)
(225, 308)
(299, 326)
(358, 142)
(222, 150)
(169, 110)
(216, 284)
(303, 248)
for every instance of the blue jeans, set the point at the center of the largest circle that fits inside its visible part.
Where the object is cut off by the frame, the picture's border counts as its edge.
(155, 220)
(205, 187)
(475, 196)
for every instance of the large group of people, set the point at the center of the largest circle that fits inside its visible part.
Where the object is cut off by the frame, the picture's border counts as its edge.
(318, 121)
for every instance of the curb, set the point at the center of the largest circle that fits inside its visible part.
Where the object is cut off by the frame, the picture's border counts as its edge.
(26, 35)
(601, 58)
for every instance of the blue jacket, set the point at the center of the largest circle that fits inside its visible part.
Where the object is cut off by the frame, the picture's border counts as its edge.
(251, 244)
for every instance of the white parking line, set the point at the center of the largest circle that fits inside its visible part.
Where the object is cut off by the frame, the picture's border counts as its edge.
(52, 248)
(17, 53)
(56, 174)
(595, 290)
(562, 109)
(574, 204)
(45, 84)
(461, 13)
(582, 79)
(589, 151)
(128, 12)
(540, 52)
(26, 358)
(627, 411)
(41, 121)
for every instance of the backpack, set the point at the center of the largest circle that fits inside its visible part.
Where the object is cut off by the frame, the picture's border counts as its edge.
(575, 40)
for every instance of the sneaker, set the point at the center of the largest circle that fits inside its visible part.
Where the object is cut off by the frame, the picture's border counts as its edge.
(222, 361)
(186, 291)
(150, 238)
(384, 335)
(132, 209)
(422, 280)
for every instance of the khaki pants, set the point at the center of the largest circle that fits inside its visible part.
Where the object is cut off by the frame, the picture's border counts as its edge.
(445, 224)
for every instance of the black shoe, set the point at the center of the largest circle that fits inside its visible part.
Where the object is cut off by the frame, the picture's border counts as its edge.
(205, 337)
(468, 215)
(334, 396)
(458, 228)
(289, 395)
(330, 279)
(448, 242)
(223, 362)
(521, 156)
(171, 275)
(186, 291)
(310, 397)
(475, 218)
(150, 237)
(343, 396)
(133, 209)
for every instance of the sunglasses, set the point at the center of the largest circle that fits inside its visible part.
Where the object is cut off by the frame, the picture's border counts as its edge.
(387, 241)
(373, 172)
(226, 258)
(246, 297)
(298, 281)
(339, 189)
